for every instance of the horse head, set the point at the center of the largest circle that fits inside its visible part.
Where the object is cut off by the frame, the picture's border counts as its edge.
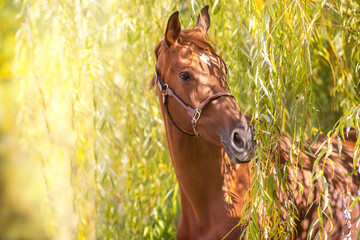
(196, 97)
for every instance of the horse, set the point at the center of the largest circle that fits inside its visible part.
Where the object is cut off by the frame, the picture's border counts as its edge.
(210, 140)
(340, 185)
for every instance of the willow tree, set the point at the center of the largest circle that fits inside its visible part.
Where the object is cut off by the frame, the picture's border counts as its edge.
(91, 131)
(302, 62)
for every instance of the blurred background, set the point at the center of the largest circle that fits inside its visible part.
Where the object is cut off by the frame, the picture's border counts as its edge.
(83, 152)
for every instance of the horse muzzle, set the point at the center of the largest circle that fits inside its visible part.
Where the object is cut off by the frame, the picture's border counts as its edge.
(240, 144)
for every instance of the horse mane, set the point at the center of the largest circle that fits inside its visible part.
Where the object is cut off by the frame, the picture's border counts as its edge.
(190, 37)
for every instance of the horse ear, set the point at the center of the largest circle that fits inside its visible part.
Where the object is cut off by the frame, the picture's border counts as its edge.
(173, 29)
(203, 21)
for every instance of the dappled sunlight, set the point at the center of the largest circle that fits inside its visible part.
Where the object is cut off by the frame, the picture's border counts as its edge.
(83, 152)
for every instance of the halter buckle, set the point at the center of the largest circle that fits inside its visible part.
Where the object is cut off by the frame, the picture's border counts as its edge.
(196, 116)
(165, 87)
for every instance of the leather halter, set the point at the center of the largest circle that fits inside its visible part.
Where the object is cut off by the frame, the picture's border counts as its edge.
(194, 113)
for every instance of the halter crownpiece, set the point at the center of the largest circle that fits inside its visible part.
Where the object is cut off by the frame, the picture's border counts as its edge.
(194, 113)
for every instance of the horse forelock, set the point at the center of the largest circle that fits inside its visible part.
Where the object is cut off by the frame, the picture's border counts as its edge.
(194, 37)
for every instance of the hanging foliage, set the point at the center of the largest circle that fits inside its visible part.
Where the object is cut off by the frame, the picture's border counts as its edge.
(89, 134)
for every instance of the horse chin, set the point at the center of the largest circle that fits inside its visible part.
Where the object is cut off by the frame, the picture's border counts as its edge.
(247, 159)
(239, 158)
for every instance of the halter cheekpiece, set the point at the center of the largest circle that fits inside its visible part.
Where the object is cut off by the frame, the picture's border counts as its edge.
(194, 113)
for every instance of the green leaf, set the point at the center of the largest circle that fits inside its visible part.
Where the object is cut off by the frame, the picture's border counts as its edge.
(312, 227)
(266, 117)
(319, 156)
(339, 145)
(329, 149)
(356, 200)
(319, 212)
(146, 231)
(318, 174)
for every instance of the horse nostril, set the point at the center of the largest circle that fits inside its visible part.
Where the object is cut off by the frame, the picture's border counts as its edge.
(238, 142)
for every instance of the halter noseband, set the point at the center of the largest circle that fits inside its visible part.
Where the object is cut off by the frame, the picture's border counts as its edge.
(194, 113)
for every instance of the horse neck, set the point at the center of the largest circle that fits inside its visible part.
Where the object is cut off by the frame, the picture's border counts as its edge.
(211, 187)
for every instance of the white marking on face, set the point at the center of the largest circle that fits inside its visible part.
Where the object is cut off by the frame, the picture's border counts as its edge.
(205, 59)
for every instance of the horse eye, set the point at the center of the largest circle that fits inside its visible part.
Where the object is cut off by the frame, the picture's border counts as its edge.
(184, 76)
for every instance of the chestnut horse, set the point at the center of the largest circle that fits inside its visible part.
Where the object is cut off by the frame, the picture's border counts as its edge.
(209, 139)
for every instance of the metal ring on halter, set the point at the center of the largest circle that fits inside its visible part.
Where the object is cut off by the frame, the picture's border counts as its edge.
(196, 116)
(165, 87)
